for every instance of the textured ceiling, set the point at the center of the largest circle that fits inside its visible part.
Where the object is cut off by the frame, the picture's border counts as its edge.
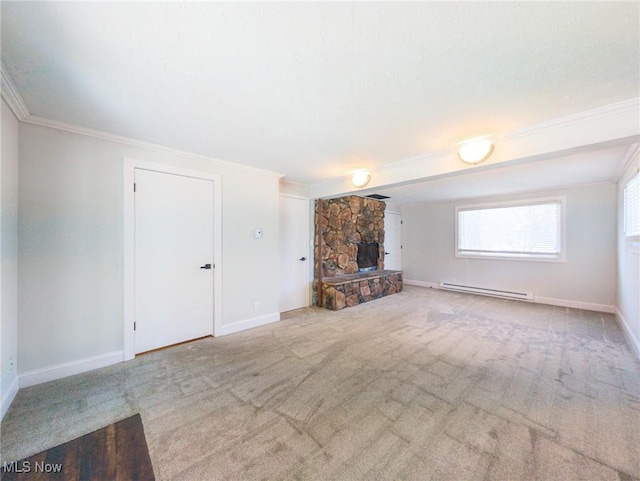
(314, 90)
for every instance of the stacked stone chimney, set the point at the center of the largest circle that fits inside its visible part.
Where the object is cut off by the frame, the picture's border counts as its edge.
(346, 221)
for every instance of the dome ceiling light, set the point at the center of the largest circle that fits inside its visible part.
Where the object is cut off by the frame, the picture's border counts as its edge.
(360, 178)
(475, 151)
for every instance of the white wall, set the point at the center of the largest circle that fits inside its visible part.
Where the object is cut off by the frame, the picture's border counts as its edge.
(293, 188)
(9, 262)
(71, 243)
(628, 300)
(588, 276)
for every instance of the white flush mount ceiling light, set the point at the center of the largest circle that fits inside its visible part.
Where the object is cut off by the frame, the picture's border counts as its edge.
(360, 178)
(475, 151)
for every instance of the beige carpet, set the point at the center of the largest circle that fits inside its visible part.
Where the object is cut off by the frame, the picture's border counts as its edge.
(421, 385)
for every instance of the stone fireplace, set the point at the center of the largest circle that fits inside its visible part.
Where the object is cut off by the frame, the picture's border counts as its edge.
(349, 252)
(347, 222)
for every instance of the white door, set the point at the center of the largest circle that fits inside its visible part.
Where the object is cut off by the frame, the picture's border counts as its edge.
(173, 259)
(392, 241)
(294, 253)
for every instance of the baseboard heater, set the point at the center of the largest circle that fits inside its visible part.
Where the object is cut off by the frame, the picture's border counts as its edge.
(486, 292)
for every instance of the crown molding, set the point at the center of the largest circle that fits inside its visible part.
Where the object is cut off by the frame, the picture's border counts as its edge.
(626, 106)
(631, 154)
(15, 101)
(121, 139)
(590, 129)
(630, 106)
(623, 107)
(12, 96)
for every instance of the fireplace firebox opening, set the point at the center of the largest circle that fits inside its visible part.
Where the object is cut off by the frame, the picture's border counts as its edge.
(367, 257)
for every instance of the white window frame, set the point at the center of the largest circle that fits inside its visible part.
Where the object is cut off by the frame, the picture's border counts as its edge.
(560, 257)
(632, 241)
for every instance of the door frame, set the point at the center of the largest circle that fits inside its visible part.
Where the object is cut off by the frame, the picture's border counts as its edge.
(308, 247)
(129, 167)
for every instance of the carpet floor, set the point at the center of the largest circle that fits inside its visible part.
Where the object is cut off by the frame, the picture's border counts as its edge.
(421, 385)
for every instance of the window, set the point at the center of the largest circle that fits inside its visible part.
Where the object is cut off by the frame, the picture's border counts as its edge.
(632, 209)
(529, 230)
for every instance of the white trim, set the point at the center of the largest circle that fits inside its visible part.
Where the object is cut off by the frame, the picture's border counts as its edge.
(514, 257)
(599, 113)
(129, 244)
(59, 371)
(303, 187)
(293, 196)
(11, 95)
(631, 202)
(287, 181)
(625, 106)
(625, 163)
(587, 306)
(10, 395)
(129, 259)
(512, 202)
(632, 340)
(584, 131)
(411, 282)
(17, 104)
(99, 134)
(249, 323)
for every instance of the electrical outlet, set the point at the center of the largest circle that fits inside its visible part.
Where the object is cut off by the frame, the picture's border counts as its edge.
(256, 306)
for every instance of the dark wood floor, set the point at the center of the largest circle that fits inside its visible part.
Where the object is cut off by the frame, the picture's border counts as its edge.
(116, 452)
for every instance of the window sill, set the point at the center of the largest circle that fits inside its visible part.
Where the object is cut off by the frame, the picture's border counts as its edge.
(632, 246)
(514, 257)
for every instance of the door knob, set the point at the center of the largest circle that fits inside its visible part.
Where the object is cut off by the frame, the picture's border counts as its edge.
(206, 266)
(303, 258)
(387, 253)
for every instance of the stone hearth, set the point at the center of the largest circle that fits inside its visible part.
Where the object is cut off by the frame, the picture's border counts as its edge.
(353, 289)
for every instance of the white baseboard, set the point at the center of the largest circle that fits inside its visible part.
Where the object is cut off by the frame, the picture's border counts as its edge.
(633, 341)
(9, 396)
(58, 371)
(587, 306)
(411, 282)
(248, 324)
